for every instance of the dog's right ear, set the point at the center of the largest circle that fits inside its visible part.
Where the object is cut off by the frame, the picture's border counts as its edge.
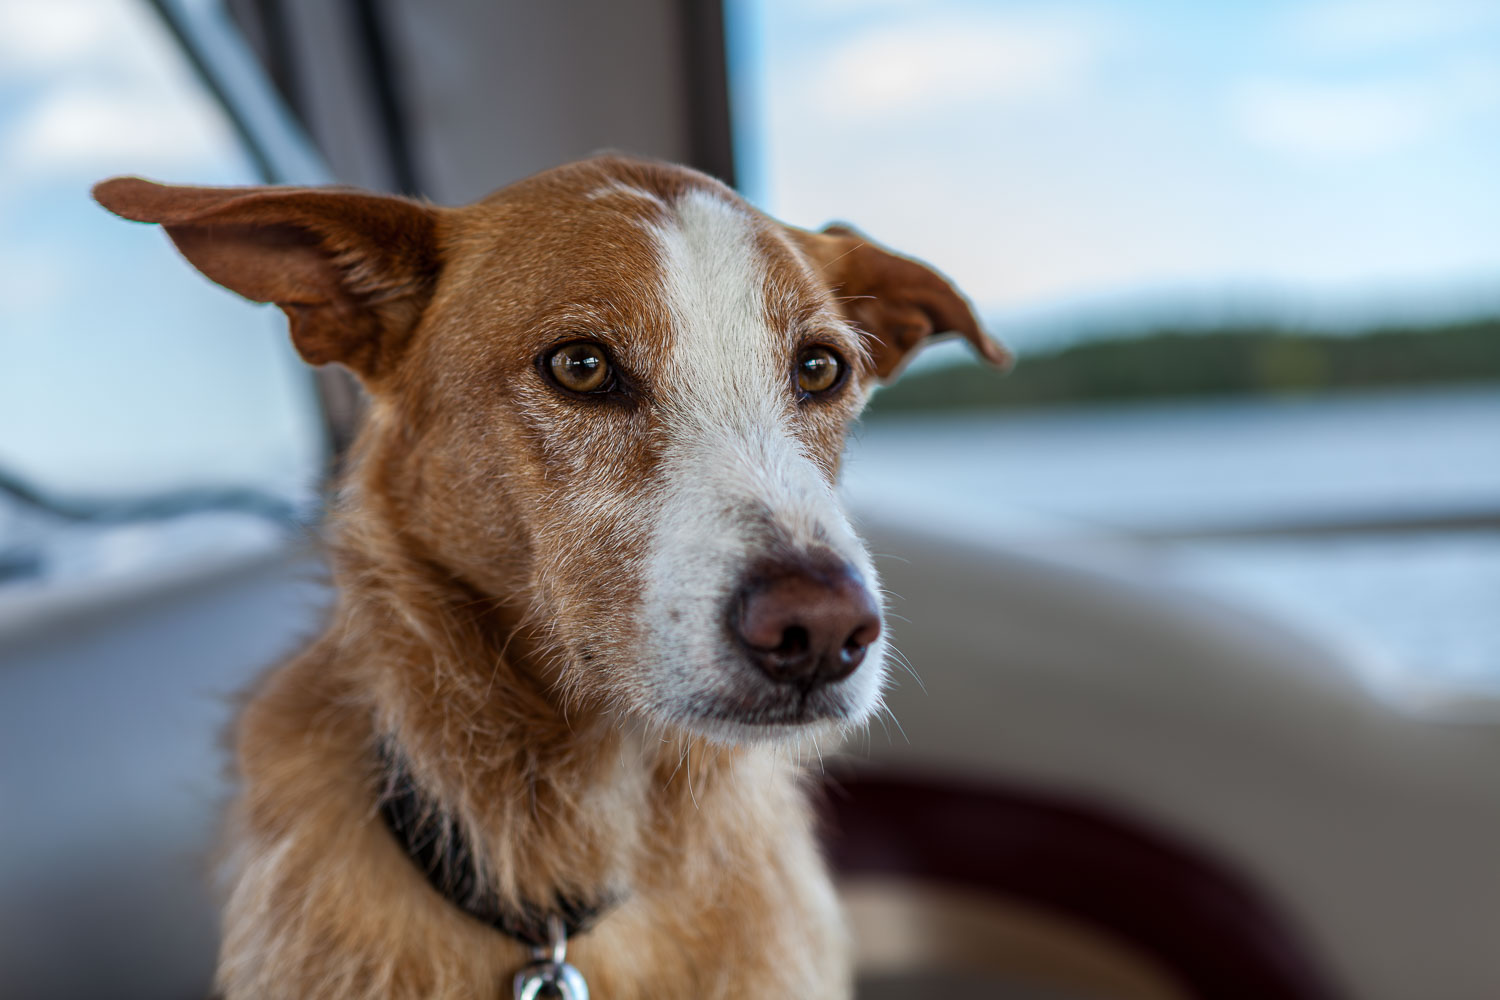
(351, 270)
(899, 303)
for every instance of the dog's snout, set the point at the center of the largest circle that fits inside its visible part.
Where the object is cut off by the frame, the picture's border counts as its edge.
(808, 624)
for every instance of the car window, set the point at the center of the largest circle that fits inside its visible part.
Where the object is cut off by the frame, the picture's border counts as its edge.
(128, 382)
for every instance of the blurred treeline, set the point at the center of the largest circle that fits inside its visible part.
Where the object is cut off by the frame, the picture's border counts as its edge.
(1220, 361)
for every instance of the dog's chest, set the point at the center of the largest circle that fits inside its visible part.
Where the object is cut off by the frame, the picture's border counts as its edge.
(719, 889)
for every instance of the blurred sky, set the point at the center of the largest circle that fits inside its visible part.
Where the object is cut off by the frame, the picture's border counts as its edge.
(1335, 159)
(1054, 158)
(102, 390)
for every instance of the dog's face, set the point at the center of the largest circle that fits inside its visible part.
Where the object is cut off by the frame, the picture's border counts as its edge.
(616, 394)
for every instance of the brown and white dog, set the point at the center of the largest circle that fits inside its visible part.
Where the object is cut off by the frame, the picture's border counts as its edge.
(593, 576)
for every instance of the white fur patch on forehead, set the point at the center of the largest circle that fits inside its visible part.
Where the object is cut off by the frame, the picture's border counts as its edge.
(736, 486)
(714, 276)
(619, 189)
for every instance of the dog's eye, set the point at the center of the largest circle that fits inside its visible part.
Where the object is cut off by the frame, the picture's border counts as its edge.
(580, 367)
(818, 370)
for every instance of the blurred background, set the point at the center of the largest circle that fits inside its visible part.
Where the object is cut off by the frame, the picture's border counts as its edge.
(1201, 603)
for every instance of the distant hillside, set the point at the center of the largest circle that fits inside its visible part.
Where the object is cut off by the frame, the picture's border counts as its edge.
(1240, 361)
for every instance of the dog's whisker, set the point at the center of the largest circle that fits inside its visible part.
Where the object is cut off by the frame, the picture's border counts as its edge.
(897, 722)
(905, 664)
(682, 755)
(691, 794)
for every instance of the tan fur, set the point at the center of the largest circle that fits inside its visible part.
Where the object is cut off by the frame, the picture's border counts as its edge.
(488, 548)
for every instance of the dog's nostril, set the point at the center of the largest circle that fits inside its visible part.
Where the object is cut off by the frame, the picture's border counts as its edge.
(810, 624)
(793, 641)
(865, 633)
(852, 653)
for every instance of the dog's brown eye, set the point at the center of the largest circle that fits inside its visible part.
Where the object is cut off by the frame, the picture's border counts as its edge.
(580, 367)
(818, 370)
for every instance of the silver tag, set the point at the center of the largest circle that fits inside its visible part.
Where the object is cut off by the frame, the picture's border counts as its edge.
(547, 978)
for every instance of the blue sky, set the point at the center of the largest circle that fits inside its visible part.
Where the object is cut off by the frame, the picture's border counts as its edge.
(1060, 160)
(1337, 160)
(103, 388)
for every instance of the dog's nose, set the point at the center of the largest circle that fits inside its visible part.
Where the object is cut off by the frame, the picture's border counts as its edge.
(807, 623)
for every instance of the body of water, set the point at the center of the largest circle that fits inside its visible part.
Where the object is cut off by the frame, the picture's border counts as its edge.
(1249, 500)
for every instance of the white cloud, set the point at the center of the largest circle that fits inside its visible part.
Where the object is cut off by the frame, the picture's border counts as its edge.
(1164, 170)
(922, 65)
(96, 86)
(93, 129)
(46, 34)
(1320, 120)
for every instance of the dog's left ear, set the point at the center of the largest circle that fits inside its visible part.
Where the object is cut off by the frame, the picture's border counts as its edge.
(352, 270)
(899, 302)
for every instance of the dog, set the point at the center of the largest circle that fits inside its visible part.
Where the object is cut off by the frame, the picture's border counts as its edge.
(595, 588)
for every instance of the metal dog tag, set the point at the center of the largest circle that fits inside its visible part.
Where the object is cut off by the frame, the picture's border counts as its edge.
(547, 979)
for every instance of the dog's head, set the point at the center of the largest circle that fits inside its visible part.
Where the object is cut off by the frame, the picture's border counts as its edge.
(619, 390)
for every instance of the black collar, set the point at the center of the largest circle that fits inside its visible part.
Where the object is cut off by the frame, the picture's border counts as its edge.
(439, 850)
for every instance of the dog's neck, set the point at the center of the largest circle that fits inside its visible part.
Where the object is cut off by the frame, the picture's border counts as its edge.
(537, 789)
(423, 828)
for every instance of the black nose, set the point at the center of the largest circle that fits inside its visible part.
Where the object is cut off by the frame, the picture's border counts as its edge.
(808, 622)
